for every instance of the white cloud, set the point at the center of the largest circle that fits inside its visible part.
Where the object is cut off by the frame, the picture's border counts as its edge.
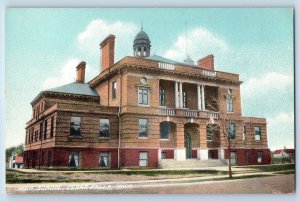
(200, 42)
(66, 75)
(263, 84)
(281, 130)
(99, 29)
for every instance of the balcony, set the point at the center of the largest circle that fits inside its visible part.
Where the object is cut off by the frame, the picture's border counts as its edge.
(189, 113)
(167, 111)
(209, 73)
(166, 66)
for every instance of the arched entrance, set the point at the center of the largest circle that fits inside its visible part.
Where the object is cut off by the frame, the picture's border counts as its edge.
(191, 139)
(188, 145)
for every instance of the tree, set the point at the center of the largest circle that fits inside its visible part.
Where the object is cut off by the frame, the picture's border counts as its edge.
(227, 128)
(15, 149)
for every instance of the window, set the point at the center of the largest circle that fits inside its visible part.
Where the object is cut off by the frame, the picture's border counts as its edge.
(143, 159)
(229, 101)
(104, 160)
(41, 130)
(163, 155)
(36, 135)
(184, 97)
(114, 90)
(162, 97)
(74, 160)
(45, 129)
(104, 128)
(143, 96)
(244, 132)
(259, 157)
(209, 133)
(233, 158)
(52, 125)
(75, 126)
(231, 131)
(143, 123)
(257, 133)
(165, 129)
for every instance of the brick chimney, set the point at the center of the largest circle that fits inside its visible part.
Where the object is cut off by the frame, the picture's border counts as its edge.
(207, 62)
(107, 47)
(80, 72)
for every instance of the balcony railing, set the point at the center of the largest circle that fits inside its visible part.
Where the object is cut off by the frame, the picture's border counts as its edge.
(166, 66)
(167, 111)
(191, 113)
(209, 73)
(214, 115)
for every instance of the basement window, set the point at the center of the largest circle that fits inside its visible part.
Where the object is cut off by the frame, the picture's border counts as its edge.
(75, 126)
(74, 160)
(259, 157)
(143, 159)
(104, 160)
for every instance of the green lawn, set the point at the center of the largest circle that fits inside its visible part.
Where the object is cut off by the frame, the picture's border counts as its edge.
(273, 168)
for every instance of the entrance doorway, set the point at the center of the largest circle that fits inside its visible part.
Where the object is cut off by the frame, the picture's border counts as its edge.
(188, 145)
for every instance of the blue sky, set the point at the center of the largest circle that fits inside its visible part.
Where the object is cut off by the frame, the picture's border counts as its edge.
(43, 46)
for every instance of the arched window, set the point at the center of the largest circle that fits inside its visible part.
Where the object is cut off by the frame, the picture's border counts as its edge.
(166, 129)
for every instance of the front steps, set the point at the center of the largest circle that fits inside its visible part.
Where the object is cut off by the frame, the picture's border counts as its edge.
(190, 163)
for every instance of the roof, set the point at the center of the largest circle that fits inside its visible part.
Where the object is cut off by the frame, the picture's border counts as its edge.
(75, 88)
(162, 59)
(288, 151)
(71, 88)
(19, 159)
(142, 36)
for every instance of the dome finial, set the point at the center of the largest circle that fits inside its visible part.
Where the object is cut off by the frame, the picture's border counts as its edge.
(142, 26)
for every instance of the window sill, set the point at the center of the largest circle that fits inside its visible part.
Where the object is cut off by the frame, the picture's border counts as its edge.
(104, 138)
(164, 139)
(141, 105)
(76, 136)
(143, 138)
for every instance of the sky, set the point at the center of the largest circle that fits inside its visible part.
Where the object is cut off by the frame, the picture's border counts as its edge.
(43, 47)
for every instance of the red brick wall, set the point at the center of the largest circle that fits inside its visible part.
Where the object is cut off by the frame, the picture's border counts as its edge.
(194, 153)
(169, 153)
(130, 157)
(252, 156)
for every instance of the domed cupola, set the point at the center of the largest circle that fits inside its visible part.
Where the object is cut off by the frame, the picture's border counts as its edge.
(141, 44)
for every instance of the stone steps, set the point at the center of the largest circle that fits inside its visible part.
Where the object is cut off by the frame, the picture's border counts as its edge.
(190, 163)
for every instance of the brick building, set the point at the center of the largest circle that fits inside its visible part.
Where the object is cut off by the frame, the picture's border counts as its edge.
(143, 111)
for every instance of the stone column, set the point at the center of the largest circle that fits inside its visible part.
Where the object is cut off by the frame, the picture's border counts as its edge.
(203, 151)
(203, 97)
(180, 95)
(179, 151)
(176, 95)
(199, 97)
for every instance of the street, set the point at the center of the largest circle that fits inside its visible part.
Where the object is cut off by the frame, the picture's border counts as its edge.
(271, 184)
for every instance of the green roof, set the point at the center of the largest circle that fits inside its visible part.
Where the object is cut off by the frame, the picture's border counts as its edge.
(163, 59)
(75, 88)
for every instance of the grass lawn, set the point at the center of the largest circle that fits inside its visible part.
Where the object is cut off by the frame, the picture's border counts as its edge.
(273, 168)
(15, 176)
